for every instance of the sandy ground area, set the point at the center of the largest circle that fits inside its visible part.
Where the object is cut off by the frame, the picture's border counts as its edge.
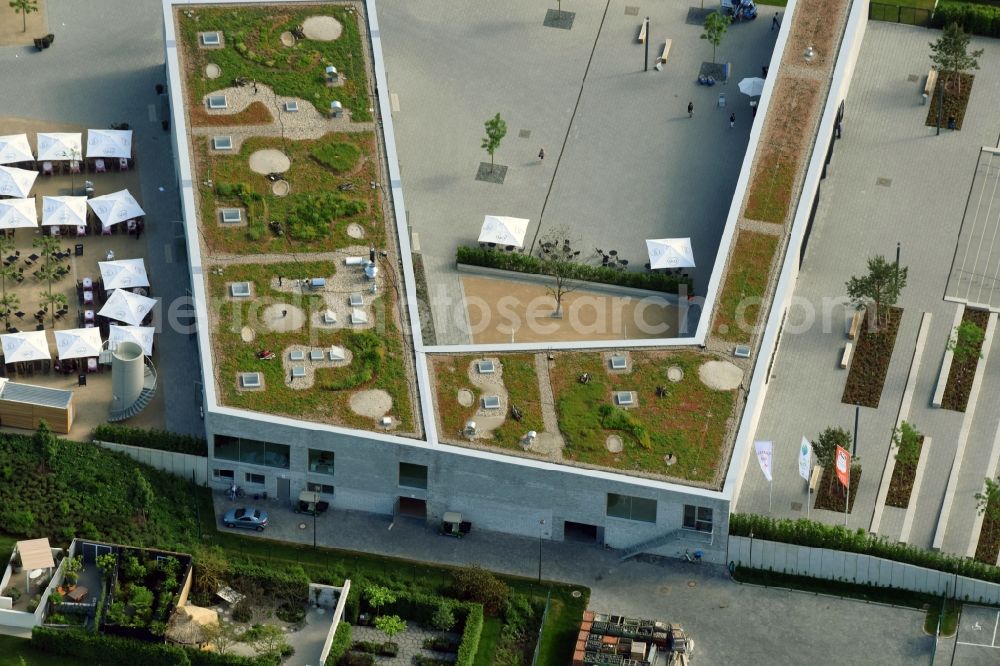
(374, 403)
(268, 161)
(12, 31)
(92, 401)
(498, 308)
(720, 375)
(322, 28)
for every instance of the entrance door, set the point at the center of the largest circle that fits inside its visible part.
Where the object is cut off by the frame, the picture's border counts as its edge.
(284, 489)
(580, 532)
(413, 508)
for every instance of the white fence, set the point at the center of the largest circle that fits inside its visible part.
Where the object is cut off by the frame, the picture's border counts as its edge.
(854, 568)
(338, 614)
(183, 465)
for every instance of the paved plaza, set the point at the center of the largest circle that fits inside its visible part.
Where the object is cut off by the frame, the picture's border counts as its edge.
(92, 78)
(623, 162)
(730, 623)
(891, 180)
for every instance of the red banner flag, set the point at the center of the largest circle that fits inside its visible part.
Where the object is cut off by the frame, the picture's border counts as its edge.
(842, 463)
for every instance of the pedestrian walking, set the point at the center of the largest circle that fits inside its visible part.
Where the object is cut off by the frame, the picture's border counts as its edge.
(690, 109)
(541, 153)
(775, 23)
(732, 120)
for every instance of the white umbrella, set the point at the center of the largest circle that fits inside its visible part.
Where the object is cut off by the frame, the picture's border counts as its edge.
(115, 207)
(670, 253)
(78, 343)
(752, 86)
(26, 346)
(64, 211)
(503, 230)
(18, 213)
(127, 307)
(109, 143)
(141, 335)
(16, 182)
(15, 148)
(60, 146)
(123, 274)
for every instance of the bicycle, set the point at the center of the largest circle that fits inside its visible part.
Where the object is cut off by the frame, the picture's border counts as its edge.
(693, 557)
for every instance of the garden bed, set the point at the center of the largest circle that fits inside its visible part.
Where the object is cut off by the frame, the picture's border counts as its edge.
(989, 538)
(831, 495)
(961, 375)
(738, 307)
(870, 362)
(955, 103)
(903, 476)
(255, 114)
(690, 421)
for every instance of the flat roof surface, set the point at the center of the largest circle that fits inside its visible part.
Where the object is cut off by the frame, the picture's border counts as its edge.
(975, 271)
(36, 395)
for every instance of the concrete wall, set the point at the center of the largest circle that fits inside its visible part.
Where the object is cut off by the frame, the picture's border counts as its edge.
(183, 465)
(494, 492)
(854, 568)
(338, 613)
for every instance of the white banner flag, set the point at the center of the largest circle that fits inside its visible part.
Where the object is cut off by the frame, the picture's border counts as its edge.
(764, 451)
(805, 459)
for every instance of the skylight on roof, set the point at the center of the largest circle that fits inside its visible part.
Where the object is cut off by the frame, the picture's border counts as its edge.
(491, 402)
(211, 38)
(232, 215)
(218, 102)
(250, 380)
(624, 398)
(240, 289)
(222, 142)
(485, 367)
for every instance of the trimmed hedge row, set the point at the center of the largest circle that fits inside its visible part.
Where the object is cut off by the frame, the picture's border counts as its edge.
(160, 440)
(469, 646)
(276, 583)
(91, 648)
(804, 532)
(525, 263)
(341, 643)
(977, 19)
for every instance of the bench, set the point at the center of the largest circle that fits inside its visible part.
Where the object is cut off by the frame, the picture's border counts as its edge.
(932, 77)
(642, 32)
(815, 477)
(845, 359)
(856, 321)
(666, 51)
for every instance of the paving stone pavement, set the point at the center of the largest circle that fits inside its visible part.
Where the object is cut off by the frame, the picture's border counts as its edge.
(884, 137)
(410, 642)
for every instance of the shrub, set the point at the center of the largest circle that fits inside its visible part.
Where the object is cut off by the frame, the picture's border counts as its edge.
(440, 644)
(390, 625)
(340, 645)
(386, 649)
(525, 263)
(33, 604)
(338, 156)
(310, 217)
(975, 18)
(443, 618)
(13, 592)
(291, 613)
(422, 660)
(242, 611)
(160, 440)
(470, 637)
(91, 648)
(481, 586)
(356, 659)
(616, 418)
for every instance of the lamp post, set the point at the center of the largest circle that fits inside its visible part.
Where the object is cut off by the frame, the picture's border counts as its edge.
(541, 527)
(857, 413)
(645, 62)
(314, 526)
(940, 105)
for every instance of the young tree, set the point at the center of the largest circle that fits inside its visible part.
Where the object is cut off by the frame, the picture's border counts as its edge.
(825, 446)
(9, 303)
(878, 290)
(24, 7)
(496, 130)
(559, 261)
(378, 596)
(269, 640)
(390, 625)
(49, 272)
(716, 25)
(142, 493)
(950, 53)
(988, 501)
(221, 636)
(906, 439)
(967, 341)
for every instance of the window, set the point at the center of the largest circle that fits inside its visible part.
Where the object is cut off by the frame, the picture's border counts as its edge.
(226, 474)
(255, 478)
(324, 488)
(697, 518)
(412, 476)
(252, 451)
(631, 508)
(321, 462)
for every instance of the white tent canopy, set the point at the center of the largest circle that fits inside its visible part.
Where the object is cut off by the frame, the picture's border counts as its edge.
(123, 274)
(15, 148)
(16, 182)
(60, 146)
(752, 86)
(127, 307)
(670, 253)
(18, 213)
(78, 343)
(115, 207)
(64, 211)
(109, 143)
(141, 335)
(503, 230)
(25, 346)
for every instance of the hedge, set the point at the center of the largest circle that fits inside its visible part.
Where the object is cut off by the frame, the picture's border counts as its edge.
(804, 532)
(340, 645)
(160, 440)
(288, 583)
(977, 19)
(525, 263)
(470, 636)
